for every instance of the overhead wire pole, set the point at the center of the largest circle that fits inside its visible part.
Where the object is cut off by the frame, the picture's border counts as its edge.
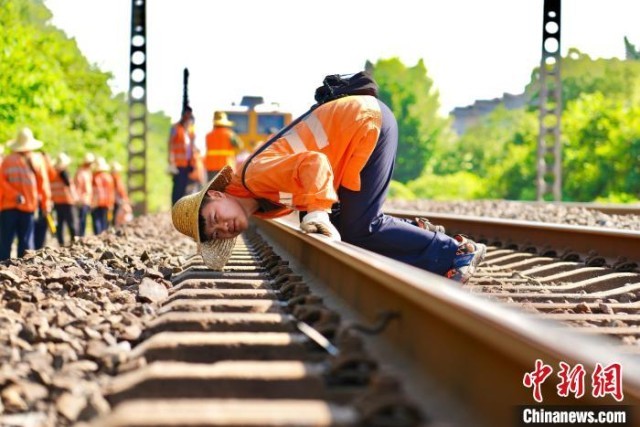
(549, 158)
(137, 144)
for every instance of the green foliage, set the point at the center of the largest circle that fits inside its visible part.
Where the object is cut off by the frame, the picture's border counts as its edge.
(158, 181)
(602, 147)
(583, 75)
(456, 186)
(398, 190)
(618, 198)
(500, 149)
(600, 136)
(49, 86)
(410, 94)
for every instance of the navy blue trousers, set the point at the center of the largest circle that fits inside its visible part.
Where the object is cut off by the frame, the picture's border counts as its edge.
(83, 214)
(361, 222)
(15, 222)
(180, 181)
(65, 214)
(40, 230)
(100, 217)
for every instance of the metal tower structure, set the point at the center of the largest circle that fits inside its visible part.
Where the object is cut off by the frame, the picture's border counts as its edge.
(137, 144)
(549, 158)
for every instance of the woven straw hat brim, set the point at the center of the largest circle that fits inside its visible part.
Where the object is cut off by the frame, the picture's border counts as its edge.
(21, 146)
(216, 253)
(186, 212)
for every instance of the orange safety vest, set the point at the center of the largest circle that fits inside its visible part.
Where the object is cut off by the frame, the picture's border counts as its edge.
(120, 189)
(84, 185)
(104, 191)
(220, 150)
(179, 142)
(39, 160)
(304, 168)
(61, 193)
(31, 182)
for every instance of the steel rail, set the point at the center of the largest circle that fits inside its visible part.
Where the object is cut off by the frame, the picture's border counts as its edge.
(478, 350)
(607, 242)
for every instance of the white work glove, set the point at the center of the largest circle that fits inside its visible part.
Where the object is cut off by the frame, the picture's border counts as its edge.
(318, 222)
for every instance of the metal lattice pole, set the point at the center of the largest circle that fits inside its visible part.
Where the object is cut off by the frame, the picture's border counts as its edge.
(549, 144)
(137, 145)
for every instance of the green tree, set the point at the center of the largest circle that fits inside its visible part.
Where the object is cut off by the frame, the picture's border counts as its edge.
(48, 85)
(411, 95)
(582, 75)
(602, 148)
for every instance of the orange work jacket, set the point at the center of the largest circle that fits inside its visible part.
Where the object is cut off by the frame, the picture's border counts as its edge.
(18, 178)
(83, 181)
(120, 189)
(61, 193)
(104, 191)
(180, 142)
(220, 150)
(303, 169)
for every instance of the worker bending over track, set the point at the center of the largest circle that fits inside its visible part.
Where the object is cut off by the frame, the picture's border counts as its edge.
(334, 164)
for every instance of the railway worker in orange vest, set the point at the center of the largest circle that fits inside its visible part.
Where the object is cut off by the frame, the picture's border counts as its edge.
(63, 193)
(25, 188)
(104, 194)
(181, 145)
(222, 145)
(121, 204)
(343, 150)
(41, 224)
(83, 181)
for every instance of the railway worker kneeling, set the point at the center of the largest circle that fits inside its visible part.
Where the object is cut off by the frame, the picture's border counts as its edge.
(334, 164)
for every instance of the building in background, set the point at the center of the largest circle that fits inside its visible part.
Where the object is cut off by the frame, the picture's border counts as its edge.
(464, 117)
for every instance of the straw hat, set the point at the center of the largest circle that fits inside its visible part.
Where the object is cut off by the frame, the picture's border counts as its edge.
(62, 161)
(24, 142)
(185, 214)
(220, 119)
(116, 167)
(101, 165)
(89, 158)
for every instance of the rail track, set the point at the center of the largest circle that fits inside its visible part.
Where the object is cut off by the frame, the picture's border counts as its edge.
(300, 331)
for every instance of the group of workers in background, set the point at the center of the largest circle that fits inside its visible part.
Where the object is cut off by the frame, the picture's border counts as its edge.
(192, 169)
(33, 186)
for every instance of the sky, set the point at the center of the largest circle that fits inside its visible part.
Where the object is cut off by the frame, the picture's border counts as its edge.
(282, 49)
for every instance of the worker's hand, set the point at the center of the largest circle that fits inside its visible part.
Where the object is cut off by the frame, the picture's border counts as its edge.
(318, 222)
(172, 169)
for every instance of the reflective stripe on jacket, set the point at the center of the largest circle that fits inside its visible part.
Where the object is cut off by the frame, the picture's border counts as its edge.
(104, 192)
(304, 168)
(61, 193)
(179, 142)
(18, 179)
(84, 185)
(220, 150)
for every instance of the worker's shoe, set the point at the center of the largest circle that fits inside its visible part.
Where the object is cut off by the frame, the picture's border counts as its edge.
(425, 224)
(468, 256)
